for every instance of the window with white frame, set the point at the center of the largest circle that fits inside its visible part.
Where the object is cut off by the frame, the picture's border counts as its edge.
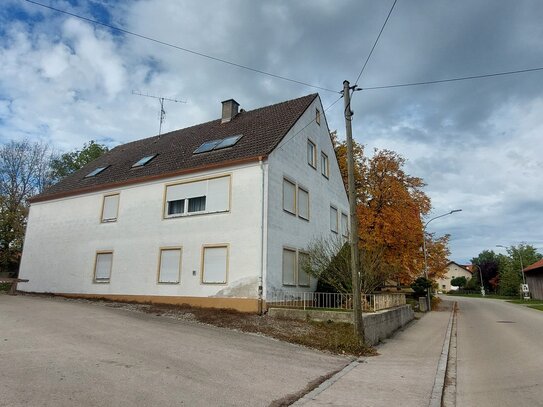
(102, 266)
(303, 203)
(318, 116)
(344, 224)
(215, 264)
(289, 196)
(289, 267)
(325, 165)
(169, 269)
(110, 208)
(333, 219)
(303, 263)
(311, 154)
(198, 197)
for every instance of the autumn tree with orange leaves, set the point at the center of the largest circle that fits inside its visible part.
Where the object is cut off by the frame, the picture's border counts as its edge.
(390, 206)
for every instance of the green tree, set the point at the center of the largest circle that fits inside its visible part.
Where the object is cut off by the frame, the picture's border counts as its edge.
(459, 282)
(510, 270)
(489, 263)
(72, 161)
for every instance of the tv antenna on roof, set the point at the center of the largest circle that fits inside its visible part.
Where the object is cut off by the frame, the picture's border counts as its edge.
(161, 100)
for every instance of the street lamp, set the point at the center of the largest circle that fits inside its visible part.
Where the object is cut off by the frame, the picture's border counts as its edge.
(428, 292)
(481, 277)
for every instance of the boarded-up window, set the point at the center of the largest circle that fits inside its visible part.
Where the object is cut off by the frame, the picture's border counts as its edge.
(303, 263)
(210, 195)
(289, 196)
(289, 267)
(170, 265)
(303, 203)
(110, 208)
(333, 220)
(215, 265)
(344, 224)
(102, 267)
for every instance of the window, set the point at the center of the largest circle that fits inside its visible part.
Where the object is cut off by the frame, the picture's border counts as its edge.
(318, 117)
(198, 197)
(95, 172)
(169, 267)
(303, 262)
(102, 267)
(289, 196)
(289, 267)
(110, 208)
(218, 144)
(215, 265)
(344, 224)
(325, 167)
(333, 219)
(144, 161)
(311, 154)
(303, 203)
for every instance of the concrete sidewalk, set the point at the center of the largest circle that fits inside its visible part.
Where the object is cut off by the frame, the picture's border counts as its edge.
(402, 375)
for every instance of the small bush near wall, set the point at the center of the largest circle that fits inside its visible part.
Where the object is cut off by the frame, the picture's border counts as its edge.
(4, 287)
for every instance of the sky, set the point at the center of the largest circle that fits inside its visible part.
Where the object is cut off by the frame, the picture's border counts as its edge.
(478, 144)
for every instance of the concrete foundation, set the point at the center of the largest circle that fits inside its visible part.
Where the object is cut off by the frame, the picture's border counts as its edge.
(377, 326)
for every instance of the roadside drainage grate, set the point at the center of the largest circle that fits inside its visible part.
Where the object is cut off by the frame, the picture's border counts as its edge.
(505, 322)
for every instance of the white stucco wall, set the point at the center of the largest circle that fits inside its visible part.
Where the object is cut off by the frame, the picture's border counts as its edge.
(290, 160)
(453, 270)
(64, 235)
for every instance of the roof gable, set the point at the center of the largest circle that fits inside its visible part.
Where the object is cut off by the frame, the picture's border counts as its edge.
(535, 266)
(261, 129)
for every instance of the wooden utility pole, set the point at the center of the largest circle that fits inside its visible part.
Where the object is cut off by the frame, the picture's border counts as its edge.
(353, 232)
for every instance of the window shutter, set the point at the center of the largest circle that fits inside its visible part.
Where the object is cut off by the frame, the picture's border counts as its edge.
(103, 266)
(303, 204)
(289, 267)
(111, 206)
(170, 266)
(289, 196)
(215, 264)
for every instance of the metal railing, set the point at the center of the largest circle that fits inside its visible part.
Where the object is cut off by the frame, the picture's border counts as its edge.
(317, 300)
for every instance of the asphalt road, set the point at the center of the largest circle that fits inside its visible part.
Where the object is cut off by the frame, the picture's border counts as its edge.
(60, 353)
(500, 354)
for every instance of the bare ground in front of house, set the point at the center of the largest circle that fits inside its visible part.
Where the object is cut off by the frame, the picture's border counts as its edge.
(333, 337)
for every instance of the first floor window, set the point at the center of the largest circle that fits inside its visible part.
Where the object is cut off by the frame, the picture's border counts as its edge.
(289, 267)
(333, 219)
(170, 265)
(303, 203)
(289, 196)
(110, 208)
(176, 207)
(102, 267)
(303, 263)
(197, 204)
(215, 265)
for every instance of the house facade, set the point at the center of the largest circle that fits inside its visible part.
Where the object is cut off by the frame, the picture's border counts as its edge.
(452, 270)
(219, 214)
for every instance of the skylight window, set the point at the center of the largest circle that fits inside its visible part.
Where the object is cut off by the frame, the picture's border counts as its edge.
(95, 172)
(218, 144)
(144, 161)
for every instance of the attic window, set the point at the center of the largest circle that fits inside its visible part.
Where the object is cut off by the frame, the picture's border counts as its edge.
(144, 161)
(218, 144)
(95, 172)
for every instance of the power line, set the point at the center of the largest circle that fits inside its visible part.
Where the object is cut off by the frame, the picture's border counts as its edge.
(375, 43)
(200, 54)
(463, 78)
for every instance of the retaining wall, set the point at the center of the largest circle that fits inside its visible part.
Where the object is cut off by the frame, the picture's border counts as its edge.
(377, 325)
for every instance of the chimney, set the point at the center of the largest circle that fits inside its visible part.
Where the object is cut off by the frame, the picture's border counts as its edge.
(229, 110)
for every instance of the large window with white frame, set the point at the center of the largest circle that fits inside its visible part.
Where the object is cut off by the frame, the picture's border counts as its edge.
(197, 197)
(102, 266)
(289, 196)
(303, 203)
(289, 267)
(333, 219)
(311, 154)
(110, 208)
(169, 269)
(215, 264)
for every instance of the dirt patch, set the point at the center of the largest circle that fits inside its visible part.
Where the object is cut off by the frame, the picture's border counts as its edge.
(334, 337)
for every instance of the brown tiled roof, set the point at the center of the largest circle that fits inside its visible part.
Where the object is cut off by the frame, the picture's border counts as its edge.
(535, 266)
(262, 130)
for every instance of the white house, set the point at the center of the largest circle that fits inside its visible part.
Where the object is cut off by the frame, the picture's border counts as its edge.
(217, 214)
(453, 270)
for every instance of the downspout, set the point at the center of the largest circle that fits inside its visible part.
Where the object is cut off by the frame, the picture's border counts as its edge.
(263, 221)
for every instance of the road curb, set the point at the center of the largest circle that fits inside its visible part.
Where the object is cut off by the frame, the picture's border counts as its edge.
(436, 397)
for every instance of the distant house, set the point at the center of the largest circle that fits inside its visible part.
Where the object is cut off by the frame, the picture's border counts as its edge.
(453, 270)
(534, 279)
(218, 214)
